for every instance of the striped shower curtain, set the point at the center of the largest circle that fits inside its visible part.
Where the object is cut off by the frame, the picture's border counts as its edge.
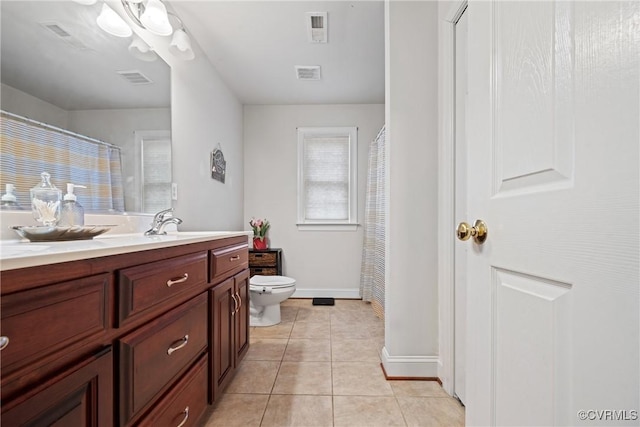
(372, 274)
(28, 148)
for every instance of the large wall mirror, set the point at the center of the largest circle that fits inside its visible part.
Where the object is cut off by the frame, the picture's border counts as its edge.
(61, 69)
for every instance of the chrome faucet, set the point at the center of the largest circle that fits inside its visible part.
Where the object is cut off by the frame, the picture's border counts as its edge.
(160, 220)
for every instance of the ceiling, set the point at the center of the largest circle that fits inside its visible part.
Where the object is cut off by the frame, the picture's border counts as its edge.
(255, 46)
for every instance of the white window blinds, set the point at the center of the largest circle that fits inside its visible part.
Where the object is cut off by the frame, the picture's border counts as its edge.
(327, 176)
(156, 174)
(29, 148)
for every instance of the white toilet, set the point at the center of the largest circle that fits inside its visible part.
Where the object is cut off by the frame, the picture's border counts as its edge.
(266, 294)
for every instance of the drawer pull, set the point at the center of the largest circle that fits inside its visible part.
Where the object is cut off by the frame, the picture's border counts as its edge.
(4, 342)
(186, 417)
(258, 255)
(234, 258)
(184, 342)
(235, 305)
(178, 280)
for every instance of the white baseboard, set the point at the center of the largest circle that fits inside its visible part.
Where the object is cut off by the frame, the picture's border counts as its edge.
(410, 366)
(353, 293)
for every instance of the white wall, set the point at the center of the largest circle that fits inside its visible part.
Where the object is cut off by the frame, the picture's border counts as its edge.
(411, 315)
(206, 113)
(324, 263)
(15, 101)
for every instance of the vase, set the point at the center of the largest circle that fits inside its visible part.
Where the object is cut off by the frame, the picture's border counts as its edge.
(260, 243)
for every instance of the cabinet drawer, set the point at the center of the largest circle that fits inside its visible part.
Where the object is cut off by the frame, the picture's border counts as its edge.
(260, 259)
(82, 396)
(144, 286)
(227, 259)
(41, 321)
(185, 403)
(152, 356)
(264, 271)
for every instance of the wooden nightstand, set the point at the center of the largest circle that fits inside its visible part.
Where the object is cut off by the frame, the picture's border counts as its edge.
(267, 262)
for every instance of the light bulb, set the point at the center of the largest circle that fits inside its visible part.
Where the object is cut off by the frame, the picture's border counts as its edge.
(141, 50)
(180, 45)
(156, 19)
(112, 23)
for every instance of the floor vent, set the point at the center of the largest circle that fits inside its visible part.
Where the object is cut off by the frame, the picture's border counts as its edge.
(135, 77)
(317, 27)
(308, 72)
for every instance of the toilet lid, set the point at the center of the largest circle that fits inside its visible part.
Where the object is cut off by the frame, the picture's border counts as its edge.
(275, 282)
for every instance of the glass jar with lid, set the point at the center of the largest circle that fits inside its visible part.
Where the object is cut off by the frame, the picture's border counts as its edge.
(45, 201)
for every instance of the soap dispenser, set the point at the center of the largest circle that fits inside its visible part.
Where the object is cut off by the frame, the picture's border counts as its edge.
(9, 200)
(45, 201)
(71, 213)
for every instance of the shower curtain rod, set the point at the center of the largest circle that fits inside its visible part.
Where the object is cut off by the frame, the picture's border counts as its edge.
(57, 129)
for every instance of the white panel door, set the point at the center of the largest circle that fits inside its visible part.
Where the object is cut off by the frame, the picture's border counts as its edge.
(460, 286)
(553, 151)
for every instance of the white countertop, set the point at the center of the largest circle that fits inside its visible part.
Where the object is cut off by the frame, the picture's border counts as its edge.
(22, 253)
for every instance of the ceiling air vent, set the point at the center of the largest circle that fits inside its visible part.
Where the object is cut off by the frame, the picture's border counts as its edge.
(317, 27)
(62, 34)
(135, 77)
(308, 72)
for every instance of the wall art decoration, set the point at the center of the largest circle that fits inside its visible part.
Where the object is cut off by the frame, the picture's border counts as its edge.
(218, 165)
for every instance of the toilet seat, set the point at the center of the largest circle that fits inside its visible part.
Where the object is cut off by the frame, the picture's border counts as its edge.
(276, 286)
(258, 282)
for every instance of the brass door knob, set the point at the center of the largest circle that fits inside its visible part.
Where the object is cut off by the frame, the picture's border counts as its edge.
(479, 231)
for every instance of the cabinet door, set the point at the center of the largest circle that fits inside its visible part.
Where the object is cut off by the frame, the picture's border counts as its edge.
(242, 316)
(82, 396)
(222, 354)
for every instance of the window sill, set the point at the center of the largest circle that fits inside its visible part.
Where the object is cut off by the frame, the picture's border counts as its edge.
(327, 227)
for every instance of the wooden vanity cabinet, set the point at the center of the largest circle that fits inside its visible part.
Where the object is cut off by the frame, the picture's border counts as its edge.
(229, 322)
(43, 322)
(123, 339)
(185, 403)
(81, 396)
(154, 355)
(144, 286)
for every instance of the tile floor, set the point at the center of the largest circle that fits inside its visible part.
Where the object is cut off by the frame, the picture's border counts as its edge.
(320, 367)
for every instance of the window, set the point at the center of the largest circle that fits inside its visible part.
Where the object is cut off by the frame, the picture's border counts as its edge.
(154, 170)
(327, 178)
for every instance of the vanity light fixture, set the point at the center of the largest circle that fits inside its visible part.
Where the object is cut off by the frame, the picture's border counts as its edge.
(152, 15)
(113, 23)
(180, 45)
(142, 50)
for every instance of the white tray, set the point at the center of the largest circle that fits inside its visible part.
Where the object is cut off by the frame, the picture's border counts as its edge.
(58, 233)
